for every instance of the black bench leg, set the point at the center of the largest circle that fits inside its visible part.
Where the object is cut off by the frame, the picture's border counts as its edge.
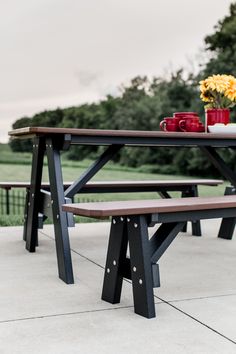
(116, 256)
(196, 225)
(27, 198)
(227, 224)
(26, 213)
(141, 267)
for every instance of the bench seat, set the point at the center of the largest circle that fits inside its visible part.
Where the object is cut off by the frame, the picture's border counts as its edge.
(137, 207)
(129, 225)
(124, 184)
(188, 188)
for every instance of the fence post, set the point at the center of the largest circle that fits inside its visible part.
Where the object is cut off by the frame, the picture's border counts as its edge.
(7, 201)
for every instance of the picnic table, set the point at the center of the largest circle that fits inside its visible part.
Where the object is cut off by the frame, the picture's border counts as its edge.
(54, 140)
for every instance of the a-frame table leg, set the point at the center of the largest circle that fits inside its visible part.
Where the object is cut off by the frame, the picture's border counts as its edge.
(59, 217)
(227, 225)
(30, 233)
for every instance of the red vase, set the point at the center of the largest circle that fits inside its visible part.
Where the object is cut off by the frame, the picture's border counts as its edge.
(217, 115)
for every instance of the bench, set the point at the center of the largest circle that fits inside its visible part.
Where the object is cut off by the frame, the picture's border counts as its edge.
(187, 187)
(129, 225)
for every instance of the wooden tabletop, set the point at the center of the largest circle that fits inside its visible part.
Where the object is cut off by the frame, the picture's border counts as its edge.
(34, 131)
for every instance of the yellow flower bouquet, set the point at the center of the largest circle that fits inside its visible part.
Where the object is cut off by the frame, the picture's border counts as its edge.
(218, 91)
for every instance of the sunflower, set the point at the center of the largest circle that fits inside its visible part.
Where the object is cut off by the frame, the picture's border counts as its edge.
(219, 91)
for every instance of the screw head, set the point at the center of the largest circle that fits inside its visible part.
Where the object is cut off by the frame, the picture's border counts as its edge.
(128, 219)
(114, 262)
(121, 218)
(134, 269)
(108, 270)
(135, 225)
(140, 281)
(114, 221)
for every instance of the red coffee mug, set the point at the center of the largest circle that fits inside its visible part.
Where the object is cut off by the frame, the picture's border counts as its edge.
(169, 124)
(190, 123)
(185, 114)
(177, 120)
(194, 127)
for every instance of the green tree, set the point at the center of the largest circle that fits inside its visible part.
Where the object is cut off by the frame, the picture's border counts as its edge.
(222, 46)
(144, 103)
(47, 118)
(19, 144)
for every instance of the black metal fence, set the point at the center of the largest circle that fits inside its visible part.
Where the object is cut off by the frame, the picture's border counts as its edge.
(12, 201)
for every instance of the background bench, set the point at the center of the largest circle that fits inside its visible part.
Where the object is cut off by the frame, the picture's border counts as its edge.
(187, 187)
(130, 222)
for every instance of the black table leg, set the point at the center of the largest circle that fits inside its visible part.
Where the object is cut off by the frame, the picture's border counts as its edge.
(59, 217)
(227, 224)
(31, 223)
(105, 157)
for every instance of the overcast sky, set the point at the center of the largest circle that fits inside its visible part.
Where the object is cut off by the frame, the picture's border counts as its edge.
(58, 53)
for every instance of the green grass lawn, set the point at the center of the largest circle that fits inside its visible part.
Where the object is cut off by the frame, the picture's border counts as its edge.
(15, 171)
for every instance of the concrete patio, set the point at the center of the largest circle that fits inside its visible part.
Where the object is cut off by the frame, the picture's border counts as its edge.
(195, 306)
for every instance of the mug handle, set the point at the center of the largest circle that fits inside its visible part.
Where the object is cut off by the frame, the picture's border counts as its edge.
(182, 125)
(163, 125)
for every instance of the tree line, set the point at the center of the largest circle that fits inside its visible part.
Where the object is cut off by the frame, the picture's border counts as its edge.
(143, 103)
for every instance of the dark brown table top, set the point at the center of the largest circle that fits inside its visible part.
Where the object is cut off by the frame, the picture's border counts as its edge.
(34, 131)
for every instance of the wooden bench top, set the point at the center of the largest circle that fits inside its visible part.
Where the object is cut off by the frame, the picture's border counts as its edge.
(137, 207)
(164, 183)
